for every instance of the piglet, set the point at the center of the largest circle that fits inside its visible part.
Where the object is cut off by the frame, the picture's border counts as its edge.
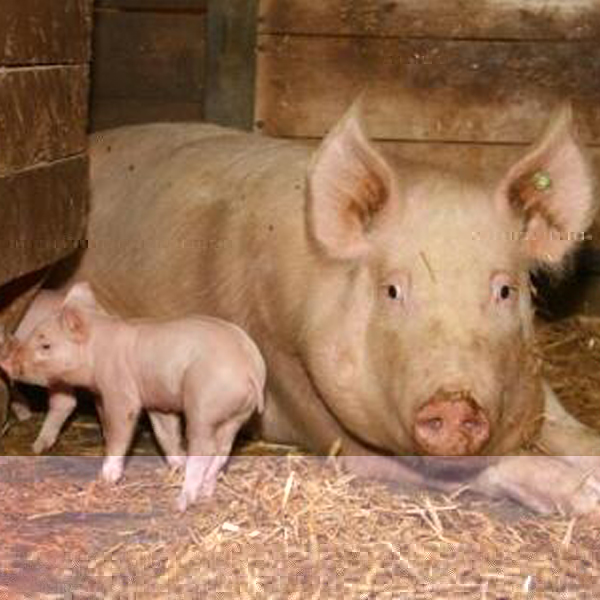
(208, 369)
(61, 398)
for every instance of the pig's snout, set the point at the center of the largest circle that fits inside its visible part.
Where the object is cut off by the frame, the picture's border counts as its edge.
(451, 424)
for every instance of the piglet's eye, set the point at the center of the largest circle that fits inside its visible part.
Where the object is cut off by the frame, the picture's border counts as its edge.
(46, 346)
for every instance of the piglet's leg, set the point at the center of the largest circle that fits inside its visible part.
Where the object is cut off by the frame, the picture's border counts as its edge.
(214, 413)
(62, 403)
(167, 429)
(21, 410)
(120, 417)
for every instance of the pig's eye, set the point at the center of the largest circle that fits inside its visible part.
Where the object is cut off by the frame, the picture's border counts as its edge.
(46, 346)
(503, 288)
(394, 292)
(396, 288)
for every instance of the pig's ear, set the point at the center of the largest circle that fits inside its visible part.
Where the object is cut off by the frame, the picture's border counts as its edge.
(73, 321)
(551, 189)
(349, 184)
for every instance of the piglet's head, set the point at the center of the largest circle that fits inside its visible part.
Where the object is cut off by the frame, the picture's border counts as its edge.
(55, 351)
(420, 328)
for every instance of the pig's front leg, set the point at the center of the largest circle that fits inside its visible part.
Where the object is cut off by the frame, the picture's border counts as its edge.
(120, 416)
(62, 403)
(545, 484)
(167, 429)
(562, 434)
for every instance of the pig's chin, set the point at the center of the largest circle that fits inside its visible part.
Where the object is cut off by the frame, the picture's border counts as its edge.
(33, 379)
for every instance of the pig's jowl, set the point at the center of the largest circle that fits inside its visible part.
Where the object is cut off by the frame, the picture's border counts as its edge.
(391, 300)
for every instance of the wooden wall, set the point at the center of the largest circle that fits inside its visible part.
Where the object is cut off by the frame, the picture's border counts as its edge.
(44, 54)
(44, 75)
(149, 61)
(458, 82)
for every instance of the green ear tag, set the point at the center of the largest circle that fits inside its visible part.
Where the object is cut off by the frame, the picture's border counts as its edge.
(541, 181)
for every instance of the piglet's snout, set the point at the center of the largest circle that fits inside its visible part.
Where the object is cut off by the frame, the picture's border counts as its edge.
(13, 365)
(451, 424)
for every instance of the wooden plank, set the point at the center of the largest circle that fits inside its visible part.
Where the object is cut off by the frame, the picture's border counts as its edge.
(45, 31)
(43, 114)
(465, 19)
(189, 6)
(147, 55)
(43, 211)
(231, 62)
(106, 113)
(422, 89)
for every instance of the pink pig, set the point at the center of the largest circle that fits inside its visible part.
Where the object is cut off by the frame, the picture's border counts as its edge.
(207, 368)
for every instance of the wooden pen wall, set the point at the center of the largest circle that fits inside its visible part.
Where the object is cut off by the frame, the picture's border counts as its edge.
(149, 61)
(464, 83)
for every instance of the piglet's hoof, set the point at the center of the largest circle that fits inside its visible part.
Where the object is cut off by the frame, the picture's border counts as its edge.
(176, 463)
(185, 500)
(112, 469)
(42, 444)
(545, 484)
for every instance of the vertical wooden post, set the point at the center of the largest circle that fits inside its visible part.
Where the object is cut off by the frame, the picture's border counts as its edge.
(231, 62)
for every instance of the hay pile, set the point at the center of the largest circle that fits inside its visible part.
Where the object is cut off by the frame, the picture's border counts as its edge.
(294, 526)
(570, 352)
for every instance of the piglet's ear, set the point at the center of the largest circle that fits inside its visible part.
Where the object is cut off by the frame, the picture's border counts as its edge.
(81, 294)
(551, 188)
(74, 323)
(349, 185)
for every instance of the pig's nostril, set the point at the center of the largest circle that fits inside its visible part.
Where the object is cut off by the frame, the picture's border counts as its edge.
(472, 424)
(435, 424)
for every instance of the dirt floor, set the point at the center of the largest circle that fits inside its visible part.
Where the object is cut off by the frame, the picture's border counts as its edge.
(283, 525)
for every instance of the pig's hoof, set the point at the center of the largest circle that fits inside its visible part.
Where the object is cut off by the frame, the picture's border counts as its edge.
(207, 489)
(184, 500)
(21, 411)
(111, 472)
(176, 463)
(545, 484)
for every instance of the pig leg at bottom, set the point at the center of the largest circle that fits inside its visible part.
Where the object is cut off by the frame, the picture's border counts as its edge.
(563, 435)
(545, 484)
(61, 405)
(208, 450)
(119, 418)
(167, 429)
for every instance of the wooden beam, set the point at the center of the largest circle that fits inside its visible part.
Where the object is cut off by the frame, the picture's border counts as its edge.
(45, 31)
(428, 90)
(173, 6)
(43, 114)
(447, 19)
(149, 55)
(230, 76)
(45, 210)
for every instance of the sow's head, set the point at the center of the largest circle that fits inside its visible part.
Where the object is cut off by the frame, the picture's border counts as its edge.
(420, 328)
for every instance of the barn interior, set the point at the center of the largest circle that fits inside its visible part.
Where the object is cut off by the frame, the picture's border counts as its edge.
(465, 85)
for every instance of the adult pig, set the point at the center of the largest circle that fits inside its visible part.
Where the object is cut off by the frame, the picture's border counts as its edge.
(206, 368)
(391, 301)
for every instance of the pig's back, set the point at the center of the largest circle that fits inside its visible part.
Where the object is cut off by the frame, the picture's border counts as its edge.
(181, 211)
(165, 351)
